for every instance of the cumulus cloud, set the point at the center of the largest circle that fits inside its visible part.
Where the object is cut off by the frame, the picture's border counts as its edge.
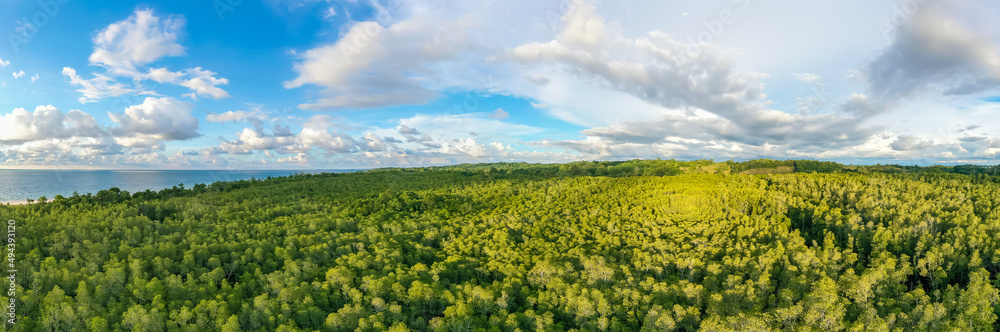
(374, 66)
(139, 40)
(46, 122)
(670, 92)
(981, 145)
(861, 105)
(700, 99)
(250, 140)
(434, 144)
(125, 48)
(256, 116)
(18, 74)
(49, 137)
(907, 143)
(406, 130)
(634, 93)
(499, 114)
(372, 142)
(63, 152)
(650, 91)
(655, 67)
(301, 159)
(163, 75)
(96, 88)
(328, 141)
(317, 133)
(202, 83)
(467, 146)
(4, 63)
(933, 52)
(156, 119)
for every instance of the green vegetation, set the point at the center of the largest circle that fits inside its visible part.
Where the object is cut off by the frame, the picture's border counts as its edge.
(587, 246)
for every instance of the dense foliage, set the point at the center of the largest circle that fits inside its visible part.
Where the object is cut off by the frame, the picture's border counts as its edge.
(621, 246)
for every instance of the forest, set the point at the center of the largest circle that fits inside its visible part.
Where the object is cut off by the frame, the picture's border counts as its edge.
(642, 245)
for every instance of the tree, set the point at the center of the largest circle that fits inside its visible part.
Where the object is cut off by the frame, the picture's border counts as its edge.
(974, 310)
(232, 324)
(611, 245)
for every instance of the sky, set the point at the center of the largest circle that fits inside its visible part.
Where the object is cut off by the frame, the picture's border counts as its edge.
(329, 84)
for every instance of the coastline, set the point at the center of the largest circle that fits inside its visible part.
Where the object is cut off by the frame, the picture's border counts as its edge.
(14, 203)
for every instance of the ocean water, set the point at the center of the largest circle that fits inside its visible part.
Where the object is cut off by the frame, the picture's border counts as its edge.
(20, 185)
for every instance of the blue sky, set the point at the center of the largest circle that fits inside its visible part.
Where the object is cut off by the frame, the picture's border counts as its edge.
(320, 84)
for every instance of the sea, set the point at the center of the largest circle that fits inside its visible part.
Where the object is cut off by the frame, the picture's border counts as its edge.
(21, 185)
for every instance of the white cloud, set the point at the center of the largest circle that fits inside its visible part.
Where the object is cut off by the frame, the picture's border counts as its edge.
(540, 80)
(4, 63)
(499, 114)
(125, 48)
(373, 66)
(163, 75)
(632, 92)
(326, 140)
(201, 82)
(49, 137)
(232, 116)
(62, 152)
(434, 143)
(34, 78)
(583, 27)
(204, 83)
(139, 40)
(468, 146)
(46, 122)
(18, 74)
(156, 119)
(934, 53)
(861, 105)
(459, 126)
(97, 88)
(808, 78)
(315, 134)
(693, 95)
(654, 67)
(627, 78)
(301, 159)
(406, 130)
(249, 140)
(372, 142)
(907, 143)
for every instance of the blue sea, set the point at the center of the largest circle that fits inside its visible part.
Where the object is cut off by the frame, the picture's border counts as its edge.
(20, 185)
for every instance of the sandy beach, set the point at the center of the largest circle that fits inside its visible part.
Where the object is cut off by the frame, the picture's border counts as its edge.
(15, 203)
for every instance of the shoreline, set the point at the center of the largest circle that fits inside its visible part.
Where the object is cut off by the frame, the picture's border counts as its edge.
(14, 203)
